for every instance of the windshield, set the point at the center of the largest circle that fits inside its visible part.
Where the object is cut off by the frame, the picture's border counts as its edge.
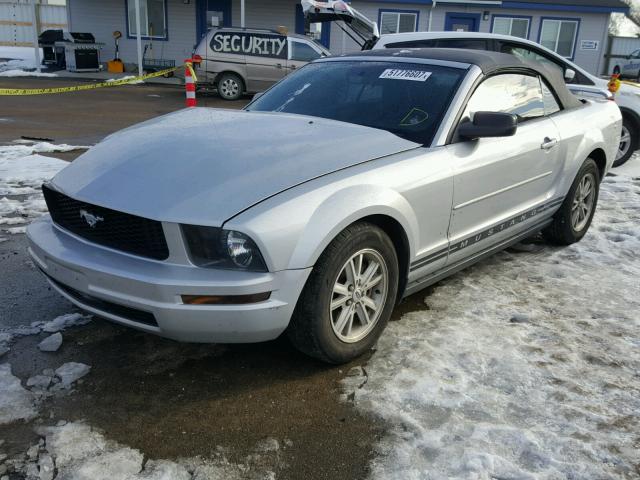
(406, 99)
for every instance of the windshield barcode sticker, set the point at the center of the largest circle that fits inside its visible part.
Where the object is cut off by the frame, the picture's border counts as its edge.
(414, 75)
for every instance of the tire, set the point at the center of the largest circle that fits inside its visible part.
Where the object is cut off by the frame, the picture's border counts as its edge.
(572, 220)
(337, 336)
(230, 86)
(616, 70)
(628, 141)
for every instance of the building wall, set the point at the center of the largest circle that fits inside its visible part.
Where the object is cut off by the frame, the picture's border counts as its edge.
(266, 14)
(593, 26)
(102, 17)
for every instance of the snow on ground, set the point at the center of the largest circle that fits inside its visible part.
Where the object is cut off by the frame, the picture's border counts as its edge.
(80, 452)
(525, 366)
(16, 61)
(16, 403)
(22, 171)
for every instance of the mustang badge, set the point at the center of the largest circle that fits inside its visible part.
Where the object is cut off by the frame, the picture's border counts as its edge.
(90, 218)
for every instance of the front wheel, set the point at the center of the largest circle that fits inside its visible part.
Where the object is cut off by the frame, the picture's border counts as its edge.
(230, 86)
(349, 296)
(572, 220)
(628, 141)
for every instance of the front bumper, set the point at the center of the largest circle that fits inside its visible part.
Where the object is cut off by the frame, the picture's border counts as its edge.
(146, 294)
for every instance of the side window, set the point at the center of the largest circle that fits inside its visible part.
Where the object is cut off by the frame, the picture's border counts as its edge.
(525, 53)
(413, 44)
(469, 43)
(303, 52)
(531, 54)
(551, 105)
(520, 95)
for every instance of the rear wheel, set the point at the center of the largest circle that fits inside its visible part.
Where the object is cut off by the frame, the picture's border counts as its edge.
(628, 141)
(572, 220)
(349, 296)
(230, 86)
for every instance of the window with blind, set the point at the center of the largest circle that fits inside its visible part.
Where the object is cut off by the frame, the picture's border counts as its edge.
(398, 22)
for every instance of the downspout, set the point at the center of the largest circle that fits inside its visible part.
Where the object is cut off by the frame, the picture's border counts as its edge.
(433, 5)
(242, 13)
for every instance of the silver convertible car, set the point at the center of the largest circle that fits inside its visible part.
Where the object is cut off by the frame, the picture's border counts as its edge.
(348, 185)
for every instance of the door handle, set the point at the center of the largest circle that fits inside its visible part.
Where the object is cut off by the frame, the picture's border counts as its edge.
(548, 143)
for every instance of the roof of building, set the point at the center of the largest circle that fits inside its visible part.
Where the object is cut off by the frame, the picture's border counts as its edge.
(489, 62)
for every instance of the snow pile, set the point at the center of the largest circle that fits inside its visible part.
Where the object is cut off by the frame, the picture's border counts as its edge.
(51, 344)
(65, 321)
(22, 171)
(80, 452)
(524, 366)
(15, 60)
(58, 324)
(16, 403)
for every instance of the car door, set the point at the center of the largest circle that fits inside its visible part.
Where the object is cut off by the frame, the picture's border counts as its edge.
(266, 59)
(501, 183)
(301, 53)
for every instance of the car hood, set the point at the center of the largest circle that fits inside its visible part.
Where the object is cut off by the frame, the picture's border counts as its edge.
(204, 166)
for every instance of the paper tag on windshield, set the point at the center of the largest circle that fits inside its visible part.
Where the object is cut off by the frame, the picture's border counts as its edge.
(397, 74)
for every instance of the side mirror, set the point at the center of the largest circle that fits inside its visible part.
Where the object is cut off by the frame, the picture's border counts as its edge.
(257, 96)
(569, 74)
(489, 124)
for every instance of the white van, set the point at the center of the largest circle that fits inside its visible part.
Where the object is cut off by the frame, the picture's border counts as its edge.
(247, 60)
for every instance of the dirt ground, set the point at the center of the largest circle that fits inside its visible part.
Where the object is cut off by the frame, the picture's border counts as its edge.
(168, 399)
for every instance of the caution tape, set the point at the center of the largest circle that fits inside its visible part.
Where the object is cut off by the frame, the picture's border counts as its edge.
(77, 88)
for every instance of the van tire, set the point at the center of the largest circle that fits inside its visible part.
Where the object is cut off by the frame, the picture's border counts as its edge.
(230, 86)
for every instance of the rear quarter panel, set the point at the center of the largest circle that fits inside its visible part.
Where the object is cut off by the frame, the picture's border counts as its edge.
(595, 125)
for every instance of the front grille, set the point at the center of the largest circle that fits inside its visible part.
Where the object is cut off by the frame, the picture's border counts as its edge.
(118, 230)
(118, 310)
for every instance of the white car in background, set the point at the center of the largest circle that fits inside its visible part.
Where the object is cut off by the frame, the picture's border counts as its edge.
(580, 82)
(631, 67)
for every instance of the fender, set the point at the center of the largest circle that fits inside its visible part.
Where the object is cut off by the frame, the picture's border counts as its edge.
(292, 230)
(330, 218)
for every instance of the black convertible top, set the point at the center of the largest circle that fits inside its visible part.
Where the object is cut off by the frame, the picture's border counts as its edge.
(488, 62)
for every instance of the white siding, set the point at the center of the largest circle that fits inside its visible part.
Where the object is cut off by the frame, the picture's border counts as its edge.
(102, 17)
(266, 14)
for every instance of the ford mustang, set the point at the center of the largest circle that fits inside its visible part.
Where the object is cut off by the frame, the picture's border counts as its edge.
(347, 186)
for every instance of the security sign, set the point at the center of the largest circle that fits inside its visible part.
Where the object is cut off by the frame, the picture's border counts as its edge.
(255, 44)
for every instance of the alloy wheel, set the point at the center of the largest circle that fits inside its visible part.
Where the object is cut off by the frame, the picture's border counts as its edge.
(359, 295)
(625, 143)
(583, 202)
(229, 88)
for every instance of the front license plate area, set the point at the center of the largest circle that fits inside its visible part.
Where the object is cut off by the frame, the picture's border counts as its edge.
(66, 276)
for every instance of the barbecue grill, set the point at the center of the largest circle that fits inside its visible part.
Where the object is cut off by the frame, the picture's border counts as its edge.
(77, 51)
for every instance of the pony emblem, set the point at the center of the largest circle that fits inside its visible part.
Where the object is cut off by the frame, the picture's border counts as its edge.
(90, 218)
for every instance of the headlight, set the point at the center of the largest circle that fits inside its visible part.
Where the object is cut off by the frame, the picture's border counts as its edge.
(217, 248)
